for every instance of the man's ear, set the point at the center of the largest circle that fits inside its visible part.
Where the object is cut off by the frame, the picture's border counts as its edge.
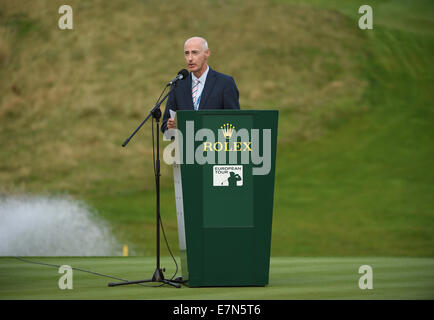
(207, 52)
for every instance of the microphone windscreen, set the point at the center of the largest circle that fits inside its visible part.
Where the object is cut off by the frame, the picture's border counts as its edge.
(184, 73)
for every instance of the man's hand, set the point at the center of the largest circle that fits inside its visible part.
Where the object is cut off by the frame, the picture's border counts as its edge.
(171, 123)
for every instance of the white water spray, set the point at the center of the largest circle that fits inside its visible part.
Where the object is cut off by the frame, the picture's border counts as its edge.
(52, 226)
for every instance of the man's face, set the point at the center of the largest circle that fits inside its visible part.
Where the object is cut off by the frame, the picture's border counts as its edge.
(195, 56)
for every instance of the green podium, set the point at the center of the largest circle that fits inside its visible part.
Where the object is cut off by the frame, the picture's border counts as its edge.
(224, 189)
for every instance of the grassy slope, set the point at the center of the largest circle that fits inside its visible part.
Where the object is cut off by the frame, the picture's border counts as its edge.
(354, 170)
(367, 186)
(290, 278)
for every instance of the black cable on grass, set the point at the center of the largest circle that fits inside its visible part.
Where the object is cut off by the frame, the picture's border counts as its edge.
(79, 269)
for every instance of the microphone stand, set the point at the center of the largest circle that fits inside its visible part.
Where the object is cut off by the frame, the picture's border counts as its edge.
(158, 275)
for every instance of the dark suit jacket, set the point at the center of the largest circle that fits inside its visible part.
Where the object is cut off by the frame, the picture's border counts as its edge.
(220, 92)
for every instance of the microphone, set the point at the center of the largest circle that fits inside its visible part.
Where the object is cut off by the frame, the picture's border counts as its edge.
(181, 75)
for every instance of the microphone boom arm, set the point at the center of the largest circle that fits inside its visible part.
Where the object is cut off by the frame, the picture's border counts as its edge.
(156, 108)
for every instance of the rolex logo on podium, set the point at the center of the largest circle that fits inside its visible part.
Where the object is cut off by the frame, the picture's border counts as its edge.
(227, 129)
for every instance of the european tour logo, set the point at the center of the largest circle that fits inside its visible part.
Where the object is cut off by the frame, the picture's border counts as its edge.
(230, 146)
(227, 176)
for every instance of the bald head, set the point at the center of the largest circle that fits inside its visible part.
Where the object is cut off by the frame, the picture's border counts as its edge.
(197, 40)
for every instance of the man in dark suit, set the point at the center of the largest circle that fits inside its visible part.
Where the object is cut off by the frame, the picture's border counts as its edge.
(204, 88)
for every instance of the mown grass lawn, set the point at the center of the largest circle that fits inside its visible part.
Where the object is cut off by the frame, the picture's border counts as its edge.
(290, 278)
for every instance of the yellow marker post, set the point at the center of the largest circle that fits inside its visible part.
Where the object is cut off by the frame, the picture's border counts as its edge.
(125, 250)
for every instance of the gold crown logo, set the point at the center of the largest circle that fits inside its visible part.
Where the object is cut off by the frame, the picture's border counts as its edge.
(228, 129)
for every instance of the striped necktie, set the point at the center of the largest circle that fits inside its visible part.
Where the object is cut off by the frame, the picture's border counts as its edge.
(195, 94)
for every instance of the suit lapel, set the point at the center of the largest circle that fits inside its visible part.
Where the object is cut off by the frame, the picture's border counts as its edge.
(187, 91)
(209, 85)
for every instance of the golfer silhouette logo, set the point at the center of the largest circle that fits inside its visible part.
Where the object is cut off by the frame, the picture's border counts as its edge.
(228, 176)
(233, 178)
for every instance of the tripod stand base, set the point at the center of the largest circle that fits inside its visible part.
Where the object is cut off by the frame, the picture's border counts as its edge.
(157, 277)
